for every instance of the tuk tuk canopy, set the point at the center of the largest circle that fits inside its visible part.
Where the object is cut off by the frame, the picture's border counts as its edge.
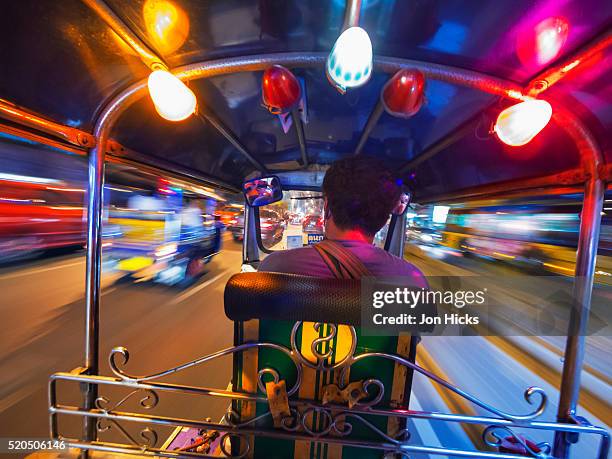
(61, 60)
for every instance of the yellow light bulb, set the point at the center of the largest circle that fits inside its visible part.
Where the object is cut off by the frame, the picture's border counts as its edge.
(173, 100)
(167, 25)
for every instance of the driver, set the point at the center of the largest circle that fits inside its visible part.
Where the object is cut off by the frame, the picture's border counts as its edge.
(359, 195)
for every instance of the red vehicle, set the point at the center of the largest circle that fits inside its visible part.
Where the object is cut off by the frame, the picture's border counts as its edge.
(312, 223)
(271, 227)
(38, 216)
(229, 215)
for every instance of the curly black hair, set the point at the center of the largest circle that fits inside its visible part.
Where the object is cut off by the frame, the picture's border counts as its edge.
(361, 193)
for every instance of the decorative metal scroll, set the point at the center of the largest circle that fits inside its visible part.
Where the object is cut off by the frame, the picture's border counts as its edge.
(337, 421)
(321, 364)
(125, 355)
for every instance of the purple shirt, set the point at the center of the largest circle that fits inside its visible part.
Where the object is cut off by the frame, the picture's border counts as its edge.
(306, 261)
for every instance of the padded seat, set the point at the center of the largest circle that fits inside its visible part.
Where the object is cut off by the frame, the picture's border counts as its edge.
(276, 296)
(316, 321)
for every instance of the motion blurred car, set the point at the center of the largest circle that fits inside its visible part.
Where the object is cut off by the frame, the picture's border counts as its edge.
(39, 216)
(270, 223)
(228, 215)
(312, 224)
(272, 226)
(423, 236)
(295, 219)
(164, 244)
(236, 227)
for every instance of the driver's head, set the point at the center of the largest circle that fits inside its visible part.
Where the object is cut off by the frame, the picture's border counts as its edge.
(360, 193)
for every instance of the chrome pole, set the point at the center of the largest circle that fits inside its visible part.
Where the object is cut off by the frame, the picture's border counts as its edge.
(586, 258)
(92, 281)
(351, 14)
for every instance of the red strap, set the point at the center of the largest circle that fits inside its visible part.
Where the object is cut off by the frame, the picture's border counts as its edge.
(341, 262)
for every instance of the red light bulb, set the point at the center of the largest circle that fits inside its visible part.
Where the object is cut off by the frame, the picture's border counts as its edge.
(551, 35)
(403, 94)
(280, 89)
(542, 43)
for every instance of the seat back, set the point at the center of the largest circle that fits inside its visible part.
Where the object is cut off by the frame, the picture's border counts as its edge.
(317, 320)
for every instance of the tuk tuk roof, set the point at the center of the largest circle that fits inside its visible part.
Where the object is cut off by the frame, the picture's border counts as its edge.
(61, 60)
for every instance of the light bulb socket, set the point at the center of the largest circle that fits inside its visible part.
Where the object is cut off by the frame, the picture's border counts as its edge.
(159, 66)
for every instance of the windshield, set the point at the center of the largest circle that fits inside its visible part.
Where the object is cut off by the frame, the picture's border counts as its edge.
(294, 221)
(297, 220)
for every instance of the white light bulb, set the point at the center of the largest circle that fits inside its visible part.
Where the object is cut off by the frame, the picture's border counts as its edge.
(173, 100)
(518, 124)
(350, 62)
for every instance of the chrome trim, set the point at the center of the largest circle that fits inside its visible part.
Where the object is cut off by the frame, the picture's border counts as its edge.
(125, 355)
(207, 69)
(93, 272)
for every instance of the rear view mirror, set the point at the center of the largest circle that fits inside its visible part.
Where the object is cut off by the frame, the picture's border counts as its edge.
(402, 204)
(262, 191)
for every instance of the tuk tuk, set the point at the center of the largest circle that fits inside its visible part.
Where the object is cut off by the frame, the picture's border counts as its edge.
(463, 100)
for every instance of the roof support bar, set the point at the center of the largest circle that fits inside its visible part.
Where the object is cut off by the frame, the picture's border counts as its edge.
(207, 115)
(152, 164)
(377, 112)
(66, 133)
(352, 13)
(569, 64)
(299, 130)
(147, 55)
(457, 134)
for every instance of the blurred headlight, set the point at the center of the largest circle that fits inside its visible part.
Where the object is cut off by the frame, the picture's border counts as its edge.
(165, 250)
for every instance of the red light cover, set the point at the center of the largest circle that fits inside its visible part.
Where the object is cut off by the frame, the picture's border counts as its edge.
(403, 94)
(280, 89)
(542, 44)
